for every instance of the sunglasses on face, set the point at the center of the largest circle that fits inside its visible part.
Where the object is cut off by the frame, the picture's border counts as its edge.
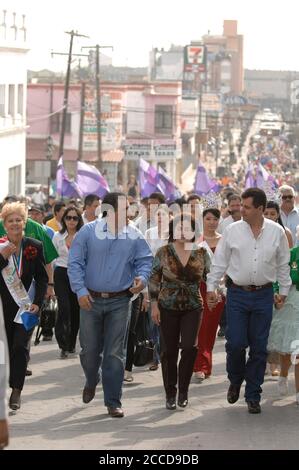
(72, 217)
(287, 197)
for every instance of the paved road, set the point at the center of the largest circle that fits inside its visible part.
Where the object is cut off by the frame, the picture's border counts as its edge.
(53, 416)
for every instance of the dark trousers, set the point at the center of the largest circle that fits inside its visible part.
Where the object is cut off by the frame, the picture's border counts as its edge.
(222, 322)
(249, 316)
(68, 318)
(135, 310)
(179, 329)
(18, 340)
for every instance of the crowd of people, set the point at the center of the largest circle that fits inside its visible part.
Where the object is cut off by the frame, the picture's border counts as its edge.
(201, 266)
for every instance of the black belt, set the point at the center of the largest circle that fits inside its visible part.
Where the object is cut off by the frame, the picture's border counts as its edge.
(109, 295)
(251, 288)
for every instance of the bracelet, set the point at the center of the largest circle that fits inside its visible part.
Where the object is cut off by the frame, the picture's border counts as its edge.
(50, 284)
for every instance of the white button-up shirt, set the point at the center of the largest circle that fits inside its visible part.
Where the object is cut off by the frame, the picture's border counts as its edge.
(252, 261)
(291, 221)
(62, 249)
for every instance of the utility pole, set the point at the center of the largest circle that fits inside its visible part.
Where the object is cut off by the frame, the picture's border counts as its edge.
(97, 48)
(67, 85)
(199, 115)
(82, 114)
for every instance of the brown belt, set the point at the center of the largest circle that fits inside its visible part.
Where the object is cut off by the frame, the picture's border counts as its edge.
(109, 295)
(252, 288)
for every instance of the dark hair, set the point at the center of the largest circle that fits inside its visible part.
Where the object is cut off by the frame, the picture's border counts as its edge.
(258, 196)
(233, 197)
(80, 221)
(215, 212)
(178, 219)
(111, 199)
(144, 200)
(274, 205)
(89, 200)
(159, 196)
(193, 197)
(58, 206)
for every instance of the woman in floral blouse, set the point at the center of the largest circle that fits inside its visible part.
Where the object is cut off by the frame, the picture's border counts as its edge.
(178, 269)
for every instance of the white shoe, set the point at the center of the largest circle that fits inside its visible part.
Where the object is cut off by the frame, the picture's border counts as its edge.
(200, 376)
(282, 386)
(128, 376)
(297, 398)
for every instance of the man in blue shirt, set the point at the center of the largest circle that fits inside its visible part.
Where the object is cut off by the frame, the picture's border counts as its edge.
(109, 261)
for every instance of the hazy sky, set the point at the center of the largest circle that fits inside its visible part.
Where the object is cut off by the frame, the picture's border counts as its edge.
(270, 27)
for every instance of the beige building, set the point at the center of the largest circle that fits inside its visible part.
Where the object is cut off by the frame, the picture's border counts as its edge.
(225, 71)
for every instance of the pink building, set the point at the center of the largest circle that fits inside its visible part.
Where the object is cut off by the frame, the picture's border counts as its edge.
(135, 117)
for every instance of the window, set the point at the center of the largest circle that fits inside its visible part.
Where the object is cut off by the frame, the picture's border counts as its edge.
(2, 100)
(163, 120)
(20, 99)
(11, 100)
(14, 184)
(56, 123)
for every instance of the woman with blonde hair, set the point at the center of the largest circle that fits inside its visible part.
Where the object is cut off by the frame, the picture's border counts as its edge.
(23, 285)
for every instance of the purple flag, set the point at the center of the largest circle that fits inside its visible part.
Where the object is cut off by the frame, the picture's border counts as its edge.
(250, 181)
(65, 187)
(168, 188)
(262, 176)
(148, 179)
(203, 184)
(91, 181)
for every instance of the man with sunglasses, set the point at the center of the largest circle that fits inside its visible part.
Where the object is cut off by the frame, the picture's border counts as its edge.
(289, 213)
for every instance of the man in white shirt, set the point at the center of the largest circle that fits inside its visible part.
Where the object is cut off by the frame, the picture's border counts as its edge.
(92, 208)
(289, 213)
(253, 253)
(234, 210)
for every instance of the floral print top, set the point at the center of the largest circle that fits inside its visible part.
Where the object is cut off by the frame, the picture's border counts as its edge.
(174, 286)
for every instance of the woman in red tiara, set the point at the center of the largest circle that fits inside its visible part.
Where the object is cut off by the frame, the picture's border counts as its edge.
(208, 329)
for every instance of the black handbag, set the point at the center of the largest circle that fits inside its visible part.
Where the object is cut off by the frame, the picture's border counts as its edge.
(144, 348)
(48, 316)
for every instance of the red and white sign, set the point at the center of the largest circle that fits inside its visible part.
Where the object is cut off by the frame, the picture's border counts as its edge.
(195, 58)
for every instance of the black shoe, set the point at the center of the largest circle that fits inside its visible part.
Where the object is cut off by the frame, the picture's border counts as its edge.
(88, 394)
(221, 332)
(28, 373)
(233, 393)
(170, 403)
(63, 354)
(15, 399)
(254, 407)
(115, 412)
(47, 338)
(182, 400)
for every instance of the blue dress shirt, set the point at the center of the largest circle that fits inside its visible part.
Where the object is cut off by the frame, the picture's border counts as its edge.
(102, 262)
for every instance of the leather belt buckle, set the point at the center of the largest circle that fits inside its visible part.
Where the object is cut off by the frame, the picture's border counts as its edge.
(105, 295)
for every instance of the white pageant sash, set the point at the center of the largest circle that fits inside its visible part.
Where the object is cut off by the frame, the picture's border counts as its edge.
(16, 287)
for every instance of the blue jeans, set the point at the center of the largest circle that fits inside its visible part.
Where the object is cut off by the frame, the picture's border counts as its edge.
(248, 316)
(103, 336)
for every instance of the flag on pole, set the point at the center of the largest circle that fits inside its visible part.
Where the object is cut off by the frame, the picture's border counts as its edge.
(250, 181)
(64, 186)
(91, 181)
(167, 186)
(203, 184)
(148, 179)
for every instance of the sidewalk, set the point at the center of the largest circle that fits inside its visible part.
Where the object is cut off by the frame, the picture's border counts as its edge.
(53, 416)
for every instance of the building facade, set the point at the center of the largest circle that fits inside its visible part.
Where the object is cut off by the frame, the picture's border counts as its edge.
(13, 82)
(137, 120)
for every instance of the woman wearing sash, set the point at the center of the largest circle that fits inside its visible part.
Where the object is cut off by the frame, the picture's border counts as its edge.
(21, 263)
